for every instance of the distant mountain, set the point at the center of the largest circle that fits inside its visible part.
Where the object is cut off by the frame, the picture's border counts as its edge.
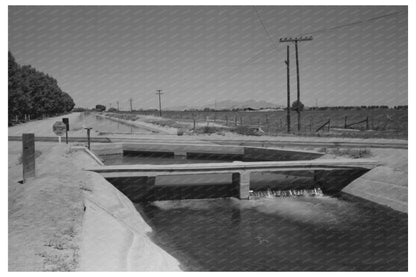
(230, 104)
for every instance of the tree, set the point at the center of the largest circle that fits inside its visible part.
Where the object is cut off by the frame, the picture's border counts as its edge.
(34, 93)
(297, 106)
(100, 107)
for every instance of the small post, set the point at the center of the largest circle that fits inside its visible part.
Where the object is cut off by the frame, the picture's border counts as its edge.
(345, 122)
(367, 125)
(194, 123)
(28, 155)
(88, 137)
(66, 121)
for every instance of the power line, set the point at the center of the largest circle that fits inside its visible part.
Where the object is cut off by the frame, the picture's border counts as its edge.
(350, 24)
(254, 57)
(265, 30)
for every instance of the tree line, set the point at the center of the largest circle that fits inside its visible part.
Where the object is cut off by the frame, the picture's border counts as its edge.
(34, 93)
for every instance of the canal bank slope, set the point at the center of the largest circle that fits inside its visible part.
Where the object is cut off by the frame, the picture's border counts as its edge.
(114, 235)
(386, 184)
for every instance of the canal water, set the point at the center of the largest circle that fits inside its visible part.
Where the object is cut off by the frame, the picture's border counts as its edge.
(104, 125)
(280, 234)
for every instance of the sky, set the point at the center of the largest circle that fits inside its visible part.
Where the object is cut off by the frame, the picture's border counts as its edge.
(200, 54)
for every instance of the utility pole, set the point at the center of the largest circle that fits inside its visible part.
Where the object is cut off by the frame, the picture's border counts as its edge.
(131, 105)
(296, 40)
(288, 89)
(160, 102)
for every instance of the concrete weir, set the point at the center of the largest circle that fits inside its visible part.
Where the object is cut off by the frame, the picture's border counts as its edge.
(330, 175)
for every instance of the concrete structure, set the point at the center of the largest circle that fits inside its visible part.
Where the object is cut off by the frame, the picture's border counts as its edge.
(330, 174)
(203, 149)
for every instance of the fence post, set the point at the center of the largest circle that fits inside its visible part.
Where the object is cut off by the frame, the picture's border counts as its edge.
(367, 125)
(345, 122)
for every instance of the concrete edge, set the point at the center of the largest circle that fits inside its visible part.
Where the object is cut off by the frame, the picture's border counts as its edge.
(114, 235)
(91, 154)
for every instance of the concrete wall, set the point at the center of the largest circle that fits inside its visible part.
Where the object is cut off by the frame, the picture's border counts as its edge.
(377, 186)
(276, 154)
(107, 148)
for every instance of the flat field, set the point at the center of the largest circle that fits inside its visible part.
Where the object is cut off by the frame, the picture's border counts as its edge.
(382, 123)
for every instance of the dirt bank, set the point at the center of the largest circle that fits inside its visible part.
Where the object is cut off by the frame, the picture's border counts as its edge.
(45, 213)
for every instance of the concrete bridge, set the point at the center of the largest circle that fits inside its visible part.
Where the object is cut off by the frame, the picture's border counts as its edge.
(330, 175)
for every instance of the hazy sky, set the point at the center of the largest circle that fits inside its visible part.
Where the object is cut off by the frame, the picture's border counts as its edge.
(197, 55)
